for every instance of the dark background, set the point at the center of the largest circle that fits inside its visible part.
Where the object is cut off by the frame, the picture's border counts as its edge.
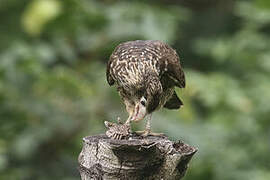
(53, 89)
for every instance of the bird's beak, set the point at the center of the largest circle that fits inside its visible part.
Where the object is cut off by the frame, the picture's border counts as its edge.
(139, 112)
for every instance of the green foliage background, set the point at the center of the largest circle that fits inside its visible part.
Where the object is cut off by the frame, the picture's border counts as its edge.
(53, 91)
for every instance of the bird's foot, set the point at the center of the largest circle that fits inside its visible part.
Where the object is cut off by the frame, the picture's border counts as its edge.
(147, 132)
(117, 130)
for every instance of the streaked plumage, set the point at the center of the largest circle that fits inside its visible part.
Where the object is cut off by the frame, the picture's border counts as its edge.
(149, 69)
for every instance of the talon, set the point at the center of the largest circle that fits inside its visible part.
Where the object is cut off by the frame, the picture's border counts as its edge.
(146, 133)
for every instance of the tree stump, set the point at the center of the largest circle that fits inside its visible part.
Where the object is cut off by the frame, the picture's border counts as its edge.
(137, 158)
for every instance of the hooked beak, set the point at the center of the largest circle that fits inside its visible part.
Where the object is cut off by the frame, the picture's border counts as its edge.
(139, 113)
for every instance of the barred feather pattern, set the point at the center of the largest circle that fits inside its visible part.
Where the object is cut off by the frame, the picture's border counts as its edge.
(145, 67)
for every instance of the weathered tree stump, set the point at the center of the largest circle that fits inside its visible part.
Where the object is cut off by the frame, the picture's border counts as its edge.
(134, 159)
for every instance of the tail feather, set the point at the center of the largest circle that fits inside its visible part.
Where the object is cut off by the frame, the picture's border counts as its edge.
(174, 102)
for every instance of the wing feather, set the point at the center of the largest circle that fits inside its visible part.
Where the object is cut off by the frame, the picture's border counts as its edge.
(171, 66)
(174, 102)
(110, 79)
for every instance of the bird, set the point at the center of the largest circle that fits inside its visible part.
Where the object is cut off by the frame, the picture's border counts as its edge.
(145, 73)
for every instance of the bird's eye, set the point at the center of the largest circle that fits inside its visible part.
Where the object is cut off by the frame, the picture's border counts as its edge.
(143, 103)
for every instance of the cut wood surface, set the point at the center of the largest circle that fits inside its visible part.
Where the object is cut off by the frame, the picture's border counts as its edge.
(152, 157)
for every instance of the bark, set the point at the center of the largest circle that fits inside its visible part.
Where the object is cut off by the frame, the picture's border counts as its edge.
(135, 159)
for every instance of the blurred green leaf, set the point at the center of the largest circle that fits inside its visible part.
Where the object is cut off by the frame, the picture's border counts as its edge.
(38, 14)
(53, 88)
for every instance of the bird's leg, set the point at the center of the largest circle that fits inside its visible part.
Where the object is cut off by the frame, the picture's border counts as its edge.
(147, 131)
(129, 118)
(147, 127)
(130, 110)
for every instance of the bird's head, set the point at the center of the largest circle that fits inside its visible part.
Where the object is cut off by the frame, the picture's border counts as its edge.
(146, 105)
(140, 110)
(149, 98)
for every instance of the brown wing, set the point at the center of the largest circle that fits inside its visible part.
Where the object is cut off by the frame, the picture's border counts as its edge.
(110, 80)
(113, 61)
(174, 102)
(170, 65)
(176, 72)
(110, 64)
(168, 59)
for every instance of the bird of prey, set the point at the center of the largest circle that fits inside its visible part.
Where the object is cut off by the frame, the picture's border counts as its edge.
(145, 73)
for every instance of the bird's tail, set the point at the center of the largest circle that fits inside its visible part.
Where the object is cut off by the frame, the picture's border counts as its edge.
(174, 102)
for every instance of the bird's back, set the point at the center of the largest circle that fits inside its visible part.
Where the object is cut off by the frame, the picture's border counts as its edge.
(133, 62)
